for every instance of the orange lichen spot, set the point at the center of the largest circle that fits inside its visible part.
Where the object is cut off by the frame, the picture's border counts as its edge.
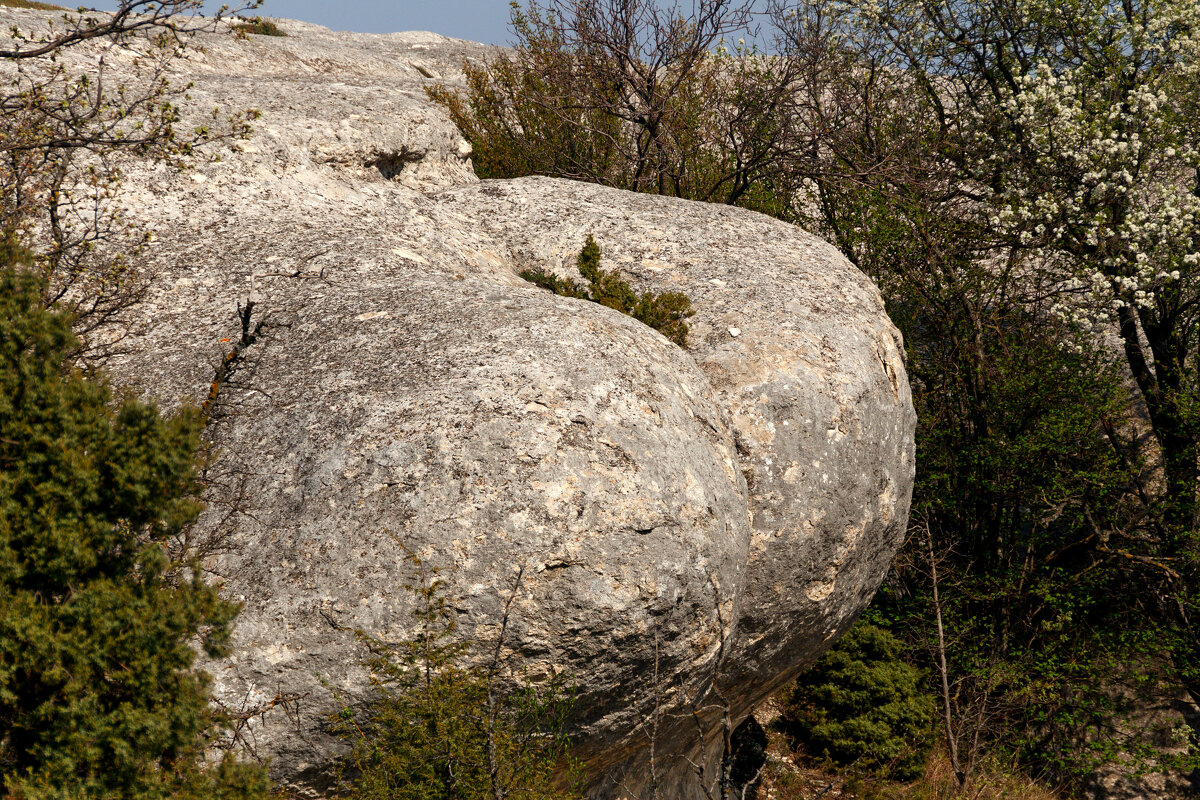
(213, 390)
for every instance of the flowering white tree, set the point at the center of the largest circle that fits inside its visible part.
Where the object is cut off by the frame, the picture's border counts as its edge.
(1077, 122)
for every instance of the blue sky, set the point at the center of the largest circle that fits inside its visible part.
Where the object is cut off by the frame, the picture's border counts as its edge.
(477, 20)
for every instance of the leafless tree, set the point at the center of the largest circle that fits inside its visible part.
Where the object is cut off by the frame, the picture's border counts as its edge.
(68, 125)
(638, 59)
(951, 732)
(638, 95)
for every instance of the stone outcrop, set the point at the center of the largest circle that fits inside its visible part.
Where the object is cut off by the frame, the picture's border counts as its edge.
(1158, 721)
(720, 513)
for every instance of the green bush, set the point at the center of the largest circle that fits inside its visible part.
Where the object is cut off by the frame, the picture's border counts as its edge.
(665, 312)
(98, 614)
(259, 27)
(862, 706)
(441, 730)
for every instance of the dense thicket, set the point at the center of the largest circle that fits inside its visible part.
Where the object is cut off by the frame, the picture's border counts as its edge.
(103, 605)
(966, 173)
(633, 94)
(1019, 177)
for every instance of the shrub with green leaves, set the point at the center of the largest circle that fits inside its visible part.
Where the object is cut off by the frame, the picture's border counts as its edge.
(862, 706)
(664, 311)
(99, 698)
(442, 729)
(259, 27)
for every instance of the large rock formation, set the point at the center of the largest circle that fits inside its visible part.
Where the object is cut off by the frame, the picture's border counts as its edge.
(719, 513)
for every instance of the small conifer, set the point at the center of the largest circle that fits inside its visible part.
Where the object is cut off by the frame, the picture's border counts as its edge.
(441, 728)
(862, 706)
(98, 694)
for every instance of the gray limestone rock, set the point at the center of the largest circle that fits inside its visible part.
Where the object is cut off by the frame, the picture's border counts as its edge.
(796, 347)
(718, 514)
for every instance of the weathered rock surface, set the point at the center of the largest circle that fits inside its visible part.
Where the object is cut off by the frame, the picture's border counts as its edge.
(1160, 719)
(719, 513)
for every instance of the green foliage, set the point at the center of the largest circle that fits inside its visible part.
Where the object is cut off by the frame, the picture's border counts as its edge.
(1068, 511)
(1087, 149)
(664, 311)
(440, 730)
(1025, 486)
(1029, 481)
(862, 706)
(98, 695)
(259, 27)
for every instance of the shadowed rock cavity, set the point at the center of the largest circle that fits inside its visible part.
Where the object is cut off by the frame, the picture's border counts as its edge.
(391, 165)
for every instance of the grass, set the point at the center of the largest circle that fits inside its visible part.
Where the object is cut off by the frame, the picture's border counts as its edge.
(789, 778)
(257, 26)
(32, 5)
